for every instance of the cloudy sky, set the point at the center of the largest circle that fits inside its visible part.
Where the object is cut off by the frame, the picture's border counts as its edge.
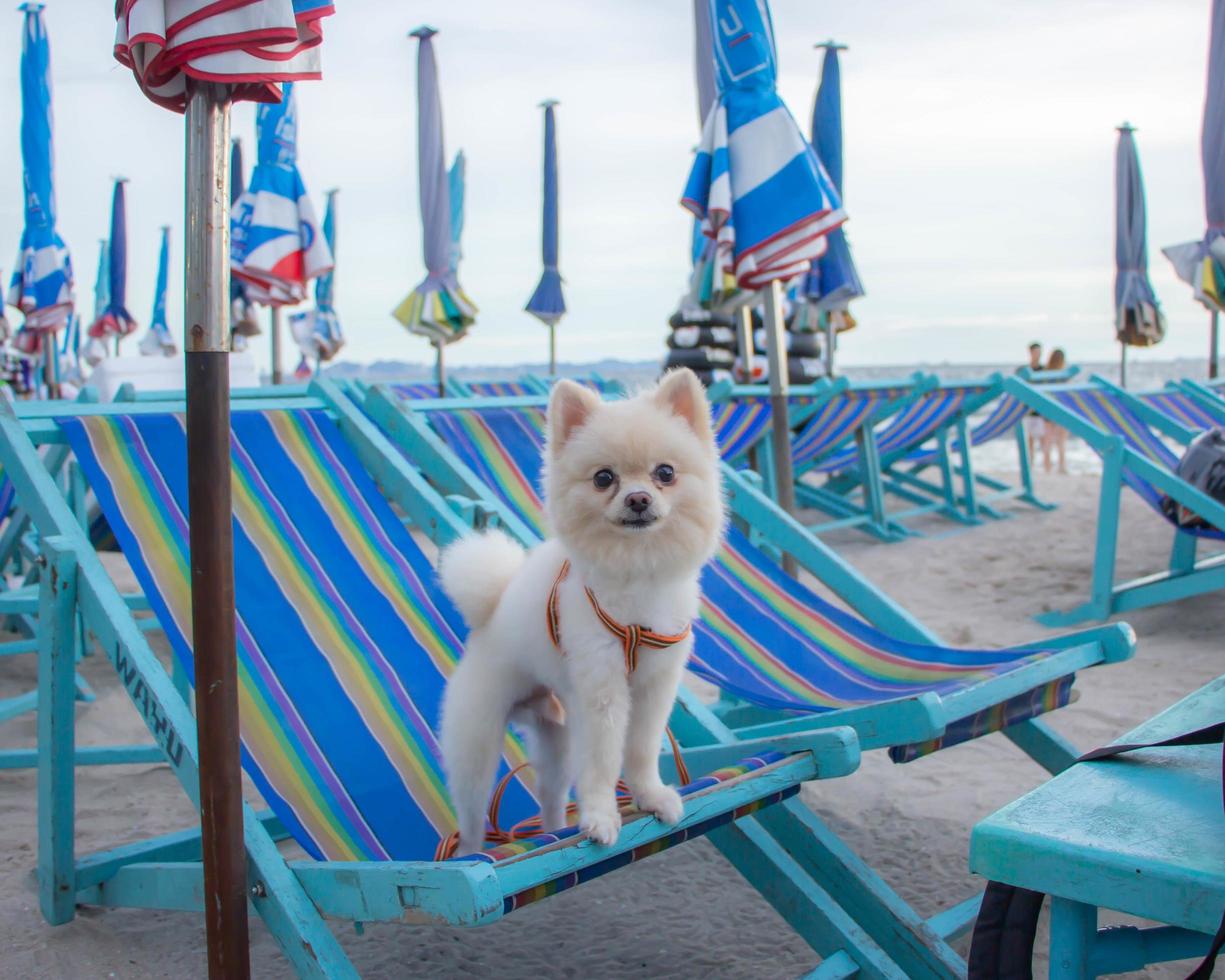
(979, 163)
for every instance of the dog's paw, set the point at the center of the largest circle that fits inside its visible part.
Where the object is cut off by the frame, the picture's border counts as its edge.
(663, 801)
(600, 826)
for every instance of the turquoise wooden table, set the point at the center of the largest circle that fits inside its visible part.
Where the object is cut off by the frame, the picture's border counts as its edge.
(1142, 833)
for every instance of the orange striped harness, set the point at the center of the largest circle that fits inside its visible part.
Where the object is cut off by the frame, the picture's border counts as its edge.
(632, 637)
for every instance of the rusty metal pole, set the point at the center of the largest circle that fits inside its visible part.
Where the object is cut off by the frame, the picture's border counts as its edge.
(1213, 344)
(274, 321)
(207, 281)
(780, 388)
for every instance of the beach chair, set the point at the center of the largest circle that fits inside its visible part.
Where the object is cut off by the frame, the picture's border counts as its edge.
(1195, 408)
(1139, 834)
(1004, 418)
(1133, 439)
(784, 659)
(344, 643)
(866, 469)
(829, 420)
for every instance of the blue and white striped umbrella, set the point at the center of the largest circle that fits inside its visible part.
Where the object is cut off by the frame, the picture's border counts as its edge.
(317, 332)
(276, 244)
(832, 281)
(757, 185)
(159, 340)
(547, 303)
(115, 320)
(438, 308)
(1138, 318)
(42, 282)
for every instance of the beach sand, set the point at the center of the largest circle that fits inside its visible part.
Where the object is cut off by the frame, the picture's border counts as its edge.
(685, 913)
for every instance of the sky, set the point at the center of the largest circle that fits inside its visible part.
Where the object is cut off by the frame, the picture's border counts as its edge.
(979, 135)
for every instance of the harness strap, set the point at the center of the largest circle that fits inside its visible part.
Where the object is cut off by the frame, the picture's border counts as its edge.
(632, 637)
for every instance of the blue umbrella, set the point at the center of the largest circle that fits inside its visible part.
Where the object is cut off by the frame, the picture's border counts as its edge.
(317, 331)
(757, 185)
(42, 283)
(1202, 263)
(1138, 318)
(158, 340)
(547, 303)
(832, 281)
(115, 320)
(438, 308)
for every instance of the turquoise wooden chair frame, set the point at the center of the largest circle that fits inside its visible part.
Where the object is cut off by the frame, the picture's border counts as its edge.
(19, 551)
(1139, 834)
(293, 897)
(1124, 464)
(921, 945)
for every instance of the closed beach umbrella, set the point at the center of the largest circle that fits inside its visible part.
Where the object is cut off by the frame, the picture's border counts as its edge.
(832, 281)
(1202, 264)
(756, 184)
(1138, 319)
(115, 320)
(277, 246)
(252, 46)
(438, 308)
(547, 303)
(159, 340)
(198, 56)
(41, 287)
(760, 190)
(317, 332)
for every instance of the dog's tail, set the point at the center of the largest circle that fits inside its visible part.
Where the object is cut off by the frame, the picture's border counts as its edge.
(476, 570)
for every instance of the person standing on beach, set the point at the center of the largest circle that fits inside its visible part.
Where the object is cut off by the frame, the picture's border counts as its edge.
(1033, 421)
(1054, 434)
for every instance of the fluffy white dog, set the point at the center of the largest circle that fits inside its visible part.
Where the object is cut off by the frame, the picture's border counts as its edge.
(595, 619)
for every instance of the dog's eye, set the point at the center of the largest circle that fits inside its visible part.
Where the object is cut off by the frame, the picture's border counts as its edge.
(664, 473)
(604, 479)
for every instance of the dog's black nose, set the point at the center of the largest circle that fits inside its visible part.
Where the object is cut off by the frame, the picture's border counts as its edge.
(638, 501)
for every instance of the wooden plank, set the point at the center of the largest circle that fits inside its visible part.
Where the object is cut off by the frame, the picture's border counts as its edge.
(1140, 836)
(56, 732)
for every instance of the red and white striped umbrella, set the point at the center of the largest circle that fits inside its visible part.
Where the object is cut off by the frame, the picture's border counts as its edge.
(250, 45)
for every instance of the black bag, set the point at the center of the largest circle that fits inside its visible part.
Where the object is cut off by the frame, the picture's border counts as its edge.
(1203, 467)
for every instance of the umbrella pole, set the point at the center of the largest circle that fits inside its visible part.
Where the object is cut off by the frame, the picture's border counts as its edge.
(744, 343)
(552, 350)
(831, 337)
(780, 431)
(1122, 365)
(1213, 345)
(207, 281)
(275, 319)
(441, 369)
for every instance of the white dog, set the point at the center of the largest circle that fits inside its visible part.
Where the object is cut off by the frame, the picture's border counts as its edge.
(597, 616)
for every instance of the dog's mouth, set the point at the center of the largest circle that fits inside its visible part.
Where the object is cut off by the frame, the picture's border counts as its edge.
(644, 520)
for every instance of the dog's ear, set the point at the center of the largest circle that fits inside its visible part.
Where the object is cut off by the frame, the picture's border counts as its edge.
(570, 405)
(682, 394)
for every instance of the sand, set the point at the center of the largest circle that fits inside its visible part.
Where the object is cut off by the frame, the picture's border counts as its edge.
(685, 913)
